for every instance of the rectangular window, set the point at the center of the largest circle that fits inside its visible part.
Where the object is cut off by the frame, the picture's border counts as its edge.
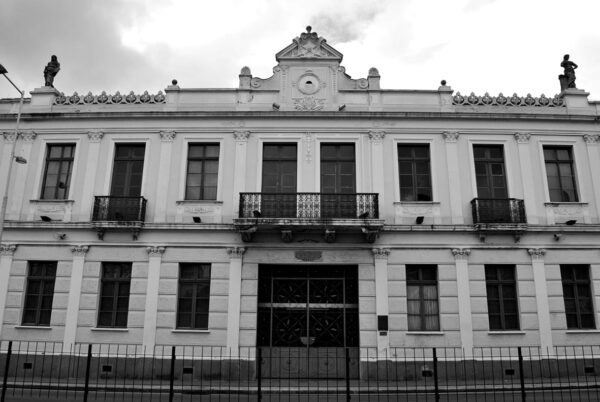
(490, 173)
(415, 172)
(560, 174)
(57, 173)
(193, 296)
(422, 298)
(128, 170)
(202, 172)
(39, 293)
(114, 294)
(577, 292)
(501, 286)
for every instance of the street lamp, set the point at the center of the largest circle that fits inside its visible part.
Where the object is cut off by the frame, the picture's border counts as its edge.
(17, 159)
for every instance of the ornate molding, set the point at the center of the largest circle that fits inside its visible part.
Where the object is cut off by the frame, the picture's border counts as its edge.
(537, 253)
(376, 136)
(8, 249)
(236, 252)
(28, 136)
(591, 139)
(9, 136)
(241, 135)
(308, 103)
(80, 250)
(451, 136)
(308, 140)
(501, 100)
(106, 99)
(95, 136)
(155, 251)
(461, 253)
(522, 138)
(167, 136)
(381, 253)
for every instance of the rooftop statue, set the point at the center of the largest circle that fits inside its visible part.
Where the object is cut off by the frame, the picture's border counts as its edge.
(568, 79)
(50, 71)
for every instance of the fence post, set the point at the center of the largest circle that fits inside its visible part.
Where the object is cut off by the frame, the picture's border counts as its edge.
(88, 363)
(6, 367)
(347, 374)
(435, 375)
(259, 373)
(522, 375)
(172, 375)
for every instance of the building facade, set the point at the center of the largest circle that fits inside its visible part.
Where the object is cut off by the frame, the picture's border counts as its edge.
(308, 209)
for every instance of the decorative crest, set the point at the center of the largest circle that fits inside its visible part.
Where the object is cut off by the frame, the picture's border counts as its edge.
(309, 45)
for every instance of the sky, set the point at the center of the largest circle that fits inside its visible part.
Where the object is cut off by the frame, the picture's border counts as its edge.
(508, 46)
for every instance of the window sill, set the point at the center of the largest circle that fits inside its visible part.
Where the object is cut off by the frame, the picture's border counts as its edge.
(434, 333)
(417, 203)
(558, 203)
(182, 202)
(192, 331)
(53, 201)
(583, 331)
(110, 329)
(506, 332)
(32, 327)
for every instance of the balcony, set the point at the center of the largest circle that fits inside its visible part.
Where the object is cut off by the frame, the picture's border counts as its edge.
(119, 212)
(499, 215)
(290, 211)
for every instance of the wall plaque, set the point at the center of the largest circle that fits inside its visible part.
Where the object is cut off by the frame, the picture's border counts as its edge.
(308, 255)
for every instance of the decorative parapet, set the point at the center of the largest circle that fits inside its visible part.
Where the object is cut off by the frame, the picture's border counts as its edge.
(79, 251)
(103, 98)
(537, 253)
(381, 253)
(8, 249)
(501, 100)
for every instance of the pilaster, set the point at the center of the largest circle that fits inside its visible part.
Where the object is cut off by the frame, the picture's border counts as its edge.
(453, 169)
(164, 169)
(72, 315)
(465, 317)
(541, 298)
(239, 176)
(234, 301)
(91, 165)
(377, 168)
(380, 257)
(7, 251)
(151, 309)
(593, 151)
(527, 176)
(17, 196)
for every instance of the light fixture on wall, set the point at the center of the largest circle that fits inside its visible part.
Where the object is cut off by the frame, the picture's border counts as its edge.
(419, 220)
(46, 218)
(256, 214)
(21, 160)
(61, 236)
(197, 219)
(557, 236)
(276, 106)
(571, 222)
(342, 107)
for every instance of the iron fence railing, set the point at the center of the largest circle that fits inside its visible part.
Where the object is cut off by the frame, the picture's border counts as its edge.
(501, 210)
(309, 205)
(45, 371)
(122, 209)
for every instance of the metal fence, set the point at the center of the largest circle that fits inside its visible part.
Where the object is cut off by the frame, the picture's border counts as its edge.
(44, 371)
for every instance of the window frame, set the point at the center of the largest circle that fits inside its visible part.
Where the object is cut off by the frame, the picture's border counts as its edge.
(576, 283)
(500, 284)
(571, 149)
(45, 280)
(202, 159)
(61, 160)
(117, 282)
(413, 160)
(421, 283)
(194, 281)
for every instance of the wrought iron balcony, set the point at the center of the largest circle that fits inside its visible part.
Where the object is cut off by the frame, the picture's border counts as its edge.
(315, 206)
(501, 210)
(119, 209)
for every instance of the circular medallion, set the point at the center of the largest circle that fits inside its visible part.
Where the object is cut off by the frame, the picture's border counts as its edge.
(309, 84)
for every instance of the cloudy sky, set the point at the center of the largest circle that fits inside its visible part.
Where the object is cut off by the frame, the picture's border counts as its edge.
(476, 45)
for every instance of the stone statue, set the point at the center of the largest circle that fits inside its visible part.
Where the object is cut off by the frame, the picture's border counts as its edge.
(569, 75)
(50, 71)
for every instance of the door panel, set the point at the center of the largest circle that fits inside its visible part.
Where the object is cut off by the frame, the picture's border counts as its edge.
(279, 175)
(490, 171)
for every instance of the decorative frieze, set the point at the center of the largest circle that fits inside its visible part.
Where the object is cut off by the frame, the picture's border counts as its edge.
(236, 252)
(461, 253)
(308, 103)
(522, 138)
(241, 135)
(79, 251)
(95, 136)
(501, 100)
(381, 253)
(155, 251)
(167, 136)
(537, 253)
(451, 136)
(107, 99)
(8, 249)
(376, 136)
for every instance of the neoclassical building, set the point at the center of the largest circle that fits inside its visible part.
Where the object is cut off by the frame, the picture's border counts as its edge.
(308, 209)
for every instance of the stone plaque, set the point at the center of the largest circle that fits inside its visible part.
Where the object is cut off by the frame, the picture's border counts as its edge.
(308, 255)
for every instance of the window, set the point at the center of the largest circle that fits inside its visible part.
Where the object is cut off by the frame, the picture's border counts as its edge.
(193, 296)
(560, 174)
(501, 286)
(57, 173)
(422, 298)
(490, 173)
(128, 170)
(338, 170)
(114, 294)
(202, 172)
(578, 296)
(39, 293)
(415, 172)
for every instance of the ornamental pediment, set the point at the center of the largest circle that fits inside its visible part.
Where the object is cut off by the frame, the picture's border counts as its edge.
(309, 45)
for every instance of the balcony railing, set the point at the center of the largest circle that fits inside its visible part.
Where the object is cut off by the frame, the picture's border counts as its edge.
(501, 210)
(120, 209)
(309, 205)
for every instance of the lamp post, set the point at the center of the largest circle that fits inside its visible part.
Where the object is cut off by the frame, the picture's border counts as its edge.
(18, 159)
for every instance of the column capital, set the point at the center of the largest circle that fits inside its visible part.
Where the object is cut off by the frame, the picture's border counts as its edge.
(522, 138)
(537, 253)
(461, 253)
(381, 253)
(241, 135)
(79, 250)
(451, 136)
(28, 136)
(168, 136)
(95, 136)
(376, 136)
(155, 251)
(591, 139)
(8, 249)
(236, 252)
(9, 136)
